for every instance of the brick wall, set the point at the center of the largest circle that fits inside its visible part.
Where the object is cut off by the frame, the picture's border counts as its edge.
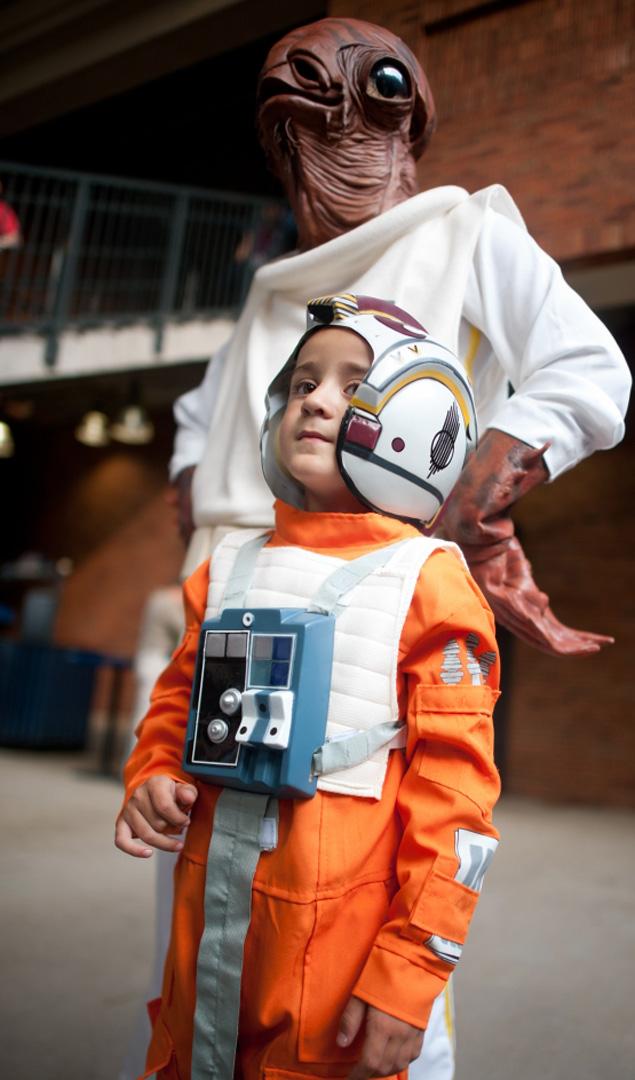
(570, 730)
(103, 600)
(539, 97)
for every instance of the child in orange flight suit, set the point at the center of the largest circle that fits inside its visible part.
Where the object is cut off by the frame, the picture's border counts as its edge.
(360, 912)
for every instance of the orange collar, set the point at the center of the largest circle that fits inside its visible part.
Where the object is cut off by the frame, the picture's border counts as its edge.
(334, 531)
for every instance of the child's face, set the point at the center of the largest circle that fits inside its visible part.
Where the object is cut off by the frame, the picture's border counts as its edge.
(328, 370)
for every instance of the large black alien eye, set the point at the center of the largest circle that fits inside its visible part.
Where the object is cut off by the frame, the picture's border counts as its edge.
(388, 80)
(442, 447)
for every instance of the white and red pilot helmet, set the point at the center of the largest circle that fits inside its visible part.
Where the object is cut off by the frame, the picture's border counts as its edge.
(410, 425)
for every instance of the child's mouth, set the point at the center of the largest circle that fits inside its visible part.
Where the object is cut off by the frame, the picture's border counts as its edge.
(313, 435)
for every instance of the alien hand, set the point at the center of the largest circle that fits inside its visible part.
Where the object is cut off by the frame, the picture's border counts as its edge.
(520, 606)
(179, 497)
(477, 518)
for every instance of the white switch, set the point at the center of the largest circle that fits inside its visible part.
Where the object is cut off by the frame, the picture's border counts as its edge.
(281, 713)
(277, 717)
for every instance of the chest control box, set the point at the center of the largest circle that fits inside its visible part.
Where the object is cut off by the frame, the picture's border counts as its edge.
(260, 699)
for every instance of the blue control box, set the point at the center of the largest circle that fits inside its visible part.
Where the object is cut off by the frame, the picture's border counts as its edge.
(260, 699)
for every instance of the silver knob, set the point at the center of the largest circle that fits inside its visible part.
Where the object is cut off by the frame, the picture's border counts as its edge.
(230, 701)
(217, 730)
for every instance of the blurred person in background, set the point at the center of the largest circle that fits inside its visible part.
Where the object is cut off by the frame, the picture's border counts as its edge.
(10, 233)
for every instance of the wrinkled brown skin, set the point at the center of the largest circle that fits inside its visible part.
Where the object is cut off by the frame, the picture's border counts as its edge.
(344, 154)
(477, 517)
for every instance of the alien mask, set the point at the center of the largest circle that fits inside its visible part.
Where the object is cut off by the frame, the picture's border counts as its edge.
(344, 111)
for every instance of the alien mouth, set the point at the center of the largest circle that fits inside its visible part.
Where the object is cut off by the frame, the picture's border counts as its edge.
(273, 90)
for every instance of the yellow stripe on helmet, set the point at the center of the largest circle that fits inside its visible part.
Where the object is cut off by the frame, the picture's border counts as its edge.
(439, 376)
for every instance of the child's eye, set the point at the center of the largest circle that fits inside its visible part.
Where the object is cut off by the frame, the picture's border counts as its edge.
(304, 387)
(351, 388)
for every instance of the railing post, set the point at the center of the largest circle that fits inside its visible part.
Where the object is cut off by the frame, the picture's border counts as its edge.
(66, 281)
(247, 269)
(171, 268)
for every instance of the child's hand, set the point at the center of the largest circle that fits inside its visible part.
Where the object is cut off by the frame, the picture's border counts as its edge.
(389, 1044)
(159, 806)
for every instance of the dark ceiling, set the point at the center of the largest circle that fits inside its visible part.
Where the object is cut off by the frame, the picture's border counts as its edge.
(194, 127)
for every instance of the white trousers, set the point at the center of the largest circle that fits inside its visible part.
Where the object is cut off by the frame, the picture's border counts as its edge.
(437, 1057)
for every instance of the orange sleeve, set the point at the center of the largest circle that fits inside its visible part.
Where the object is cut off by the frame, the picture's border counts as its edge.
(161, 733)
(448, 686)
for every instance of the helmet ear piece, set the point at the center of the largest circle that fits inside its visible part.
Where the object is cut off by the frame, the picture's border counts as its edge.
(405, 438)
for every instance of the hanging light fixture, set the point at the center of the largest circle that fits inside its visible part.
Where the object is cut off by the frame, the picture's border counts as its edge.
(92, 429)
(7, 445)
(133, 425)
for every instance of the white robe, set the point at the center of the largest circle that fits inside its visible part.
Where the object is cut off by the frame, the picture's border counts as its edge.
(467, 269)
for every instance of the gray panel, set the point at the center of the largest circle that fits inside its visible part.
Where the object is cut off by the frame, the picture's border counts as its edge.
(262, 647)
(237, 645)
(215, 644)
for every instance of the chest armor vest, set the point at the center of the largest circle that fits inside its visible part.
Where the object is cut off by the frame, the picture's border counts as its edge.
(368, 630)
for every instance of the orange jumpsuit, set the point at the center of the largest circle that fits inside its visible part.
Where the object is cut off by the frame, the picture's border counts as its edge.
(346, 902)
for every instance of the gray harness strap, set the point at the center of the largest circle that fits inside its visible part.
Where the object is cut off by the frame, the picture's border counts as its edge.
(242, 572)
(328, 598)
(235, 848)
(354, 749)
(243, 829)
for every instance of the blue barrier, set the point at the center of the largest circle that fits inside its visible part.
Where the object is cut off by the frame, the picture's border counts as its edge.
(46, 694)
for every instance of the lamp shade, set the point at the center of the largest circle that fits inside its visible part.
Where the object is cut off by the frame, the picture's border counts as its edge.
(92, 429)
(133, 426)
(7, 445)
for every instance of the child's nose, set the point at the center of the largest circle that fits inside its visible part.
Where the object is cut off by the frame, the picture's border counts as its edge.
(319, 401)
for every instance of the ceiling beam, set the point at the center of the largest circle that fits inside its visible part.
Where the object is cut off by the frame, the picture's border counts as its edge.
(57, 64)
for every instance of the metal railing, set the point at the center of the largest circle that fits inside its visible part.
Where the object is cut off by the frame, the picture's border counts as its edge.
(100, 250)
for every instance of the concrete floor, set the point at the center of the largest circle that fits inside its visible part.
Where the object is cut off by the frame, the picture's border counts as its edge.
(545, 989)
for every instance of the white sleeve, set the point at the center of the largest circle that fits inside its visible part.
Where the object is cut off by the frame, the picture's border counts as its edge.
(571, 383)
(193, 414)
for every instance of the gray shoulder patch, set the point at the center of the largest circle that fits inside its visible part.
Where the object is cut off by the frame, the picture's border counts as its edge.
(452, 668)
